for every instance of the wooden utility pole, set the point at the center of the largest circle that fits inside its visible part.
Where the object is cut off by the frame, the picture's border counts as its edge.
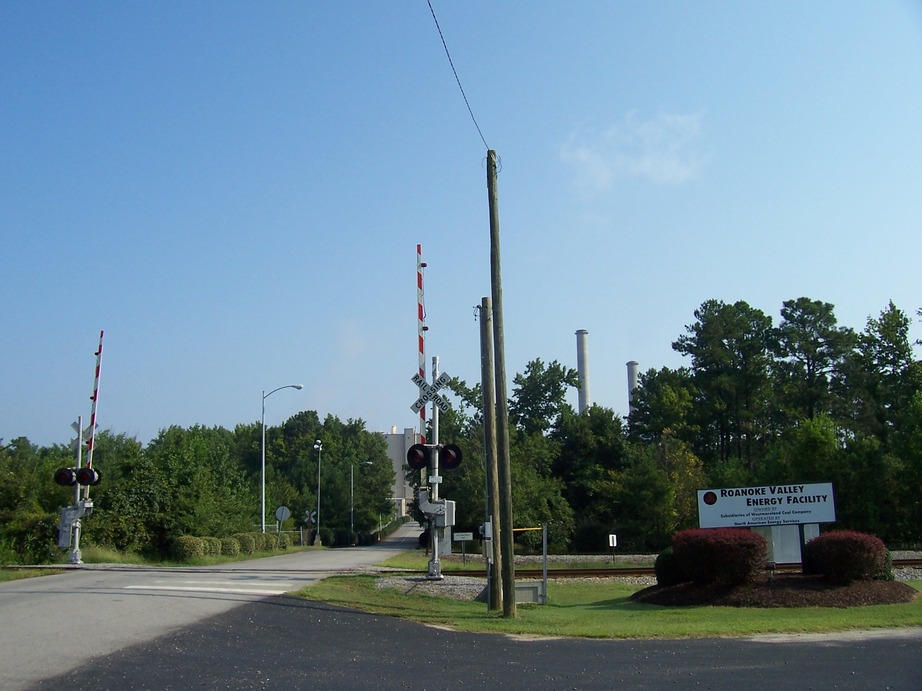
(502, 403)
(487, 377)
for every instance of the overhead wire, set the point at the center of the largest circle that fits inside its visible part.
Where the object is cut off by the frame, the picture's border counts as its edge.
(455, 72)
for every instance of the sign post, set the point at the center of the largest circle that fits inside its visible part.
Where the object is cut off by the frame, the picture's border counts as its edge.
(463, 539)
(439, 511)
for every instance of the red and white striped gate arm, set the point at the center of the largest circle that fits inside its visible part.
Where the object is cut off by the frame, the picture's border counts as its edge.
(95, 398)
(421, 328)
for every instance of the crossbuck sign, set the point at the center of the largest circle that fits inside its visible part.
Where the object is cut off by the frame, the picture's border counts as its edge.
(429, 392)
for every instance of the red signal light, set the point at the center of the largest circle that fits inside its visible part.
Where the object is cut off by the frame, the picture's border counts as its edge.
(450, 457)
(418, 457)
(88, 476)
(65, 476)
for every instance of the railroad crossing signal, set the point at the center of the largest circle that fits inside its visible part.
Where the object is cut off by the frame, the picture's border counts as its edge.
(419, 456)
(69, 477)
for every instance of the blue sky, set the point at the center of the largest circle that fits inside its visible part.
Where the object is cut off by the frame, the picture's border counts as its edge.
(234, 192)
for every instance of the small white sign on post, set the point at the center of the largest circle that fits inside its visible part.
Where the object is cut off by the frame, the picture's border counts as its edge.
(463, 539)
(612, 540)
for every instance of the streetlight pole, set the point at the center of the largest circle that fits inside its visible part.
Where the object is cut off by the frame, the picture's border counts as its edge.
(318, 447)
(262, 446)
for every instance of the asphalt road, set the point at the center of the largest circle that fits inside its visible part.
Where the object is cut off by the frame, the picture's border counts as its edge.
(287, 643)
(236, 638)
(52, 624)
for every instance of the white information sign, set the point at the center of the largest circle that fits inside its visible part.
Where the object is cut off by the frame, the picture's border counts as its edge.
(747, 507)
(463, 537)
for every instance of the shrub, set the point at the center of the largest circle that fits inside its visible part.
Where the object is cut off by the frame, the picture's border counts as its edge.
(843, 556)
(230, 546)
(342, 537)
(668, 569)
(720, 555)
(212, 546)
(266, 541)
(187, 547)
(283, 541)
(886, 574)
(326, 536)
(247, 542)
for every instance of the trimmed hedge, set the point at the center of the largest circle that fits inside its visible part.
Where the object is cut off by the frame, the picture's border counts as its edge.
(230, 546)
(212, 546)
(720, 555)
(187, 547)
(247, 542)
(668, 569)
(843, 556)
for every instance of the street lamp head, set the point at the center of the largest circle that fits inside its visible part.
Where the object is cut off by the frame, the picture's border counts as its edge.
(318, 445)
(299, 386)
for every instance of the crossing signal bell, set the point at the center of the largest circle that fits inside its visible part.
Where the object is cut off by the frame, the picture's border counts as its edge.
(69, 477)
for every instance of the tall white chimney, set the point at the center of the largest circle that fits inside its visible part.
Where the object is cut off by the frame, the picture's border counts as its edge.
(632, 370)
(582, 368)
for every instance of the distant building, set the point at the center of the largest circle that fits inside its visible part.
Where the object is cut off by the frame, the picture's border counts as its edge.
(397, 446)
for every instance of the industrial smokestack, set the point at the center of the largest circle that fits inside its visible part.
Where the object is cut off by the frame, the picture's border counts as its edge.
(582, 368)
(632, 369)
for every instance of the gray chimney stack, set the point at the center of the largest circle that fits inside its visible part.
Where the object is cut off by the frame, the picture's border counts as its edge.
(632, 371)
(582, 368)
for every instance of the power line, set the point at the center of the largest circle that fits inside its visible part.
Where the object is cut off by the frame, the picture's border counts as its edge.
(457, 79)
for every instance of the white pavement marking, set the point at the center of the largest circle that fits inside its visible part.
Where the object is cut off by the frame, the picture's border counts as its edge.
(211, 589)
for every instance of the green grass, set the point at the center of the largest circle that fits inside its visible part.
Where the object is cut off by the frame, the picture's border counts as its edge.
(13, 574)
(102, 555)
(594, 610)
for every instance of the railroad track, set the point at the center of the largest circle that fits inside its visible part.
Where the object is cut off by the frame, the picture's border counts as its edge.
(603, 572)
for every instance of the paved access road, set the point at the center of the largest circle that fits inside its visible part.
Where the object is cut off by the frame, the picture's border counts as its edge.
(230, 637)
(286, 643)
(52, 624)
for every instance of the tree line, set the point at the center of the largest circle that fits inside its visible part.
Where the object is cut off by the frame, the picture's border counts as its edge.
(203, 481)
(806, 400)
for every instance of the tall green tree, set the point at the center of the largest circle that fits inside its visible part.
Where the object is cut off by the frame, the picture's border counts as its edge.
(127, 503)
(729, 348)
(29, 501)
(881, 376)
(811, 349)
(201, 487)
(663, 404)
(539, 395)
